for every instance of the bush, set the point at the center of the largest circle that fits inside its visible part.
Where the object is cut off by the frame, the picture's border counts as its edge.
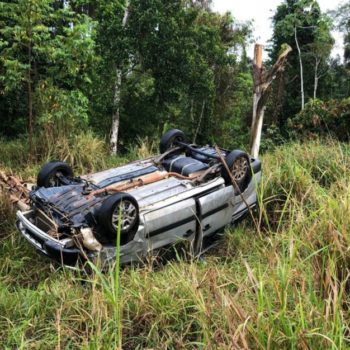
(60, 111)
(330, 117)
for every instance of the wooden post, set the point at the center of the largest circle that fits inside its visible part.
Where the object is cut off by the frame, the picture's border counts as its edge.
(262, 81)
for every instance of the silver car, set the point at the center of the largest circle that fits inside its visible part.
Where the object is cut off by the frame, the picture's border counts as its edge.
(186, 193)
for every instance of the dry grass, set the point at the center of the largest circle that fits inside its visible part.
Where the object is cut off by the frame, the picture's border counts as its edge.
(287, 288)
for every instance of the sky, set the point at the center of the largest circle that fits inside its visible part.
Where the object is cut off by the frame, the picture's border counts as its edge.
(261, 11)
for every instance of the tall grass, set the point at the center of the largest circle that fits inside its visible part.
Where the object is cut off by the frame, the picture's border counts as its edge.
(143, 148)
(111, 289)
(285, 288)
(84, 152)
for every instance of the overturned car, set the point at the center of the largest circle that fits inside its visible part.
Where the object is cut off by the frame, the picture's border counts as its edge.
(186, 193)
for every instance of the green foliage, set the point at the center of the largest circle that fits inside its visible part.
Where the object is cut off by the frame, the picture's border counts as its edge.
(341, 17)
(179, 64)
(44, 47)
(172, 58)
(235, 113)
(7, 215)
(330, 118)
(14, 153)
(83, 150)
(60, 111)
(303, 19)
(192, 75)
(282, 287)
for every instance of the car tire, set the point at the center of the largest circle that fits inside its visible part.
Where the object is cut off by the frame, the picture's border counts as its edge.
(108, 217)
(239, 164)
(47, 176)
(168, 139)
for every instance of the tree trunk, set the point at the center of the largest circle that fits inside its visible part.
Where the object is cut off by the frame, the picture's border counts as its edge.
(262, 82)
(199, 123)
(301, 70)
(117, 96)
(315, 87)
(279, 99)
(29, 87)
(116, 113)
(30, 106)
(316, 77)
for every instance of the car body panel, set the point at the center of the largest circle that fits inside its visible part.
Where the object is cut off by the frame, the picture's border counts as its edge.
(216, 209)
(122, 173)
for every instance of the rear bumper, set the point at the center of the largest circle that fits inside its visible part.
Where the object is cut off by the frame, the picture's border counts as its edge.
(44, 243)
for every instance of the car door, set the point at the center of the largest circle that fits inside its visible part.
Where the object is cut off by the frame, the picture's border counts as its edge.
(171, 223)
(216, 209)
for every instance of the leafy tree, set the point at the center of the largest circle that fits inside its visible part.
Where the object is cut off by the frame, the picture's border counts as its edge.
(133, 67)
(113, 47)
(320, 51)
(190, 52)
(341, 16)
(337, 80)
(42, 44)
(300, 24)
(19, 39)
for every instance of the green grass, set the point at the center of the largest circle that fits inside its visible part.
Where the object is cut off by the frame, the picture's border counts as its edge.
(284, 287)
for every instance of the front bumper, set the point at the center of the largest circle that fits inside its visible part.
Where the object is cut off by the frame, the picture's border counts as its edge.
(51, 247)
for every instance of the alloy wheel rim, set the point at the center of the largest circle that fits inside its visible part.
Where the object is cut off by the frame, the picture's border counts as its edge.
(176, 139)
(239, 168)
(126, 212)
(54, 180)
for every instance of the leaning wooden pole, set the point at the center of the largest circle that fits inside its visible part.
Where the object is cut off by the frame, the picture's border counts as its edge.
(261, 83)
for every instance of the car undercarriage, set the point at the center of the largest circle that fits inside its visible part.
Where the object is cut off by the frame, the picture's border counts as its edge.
(186, 193)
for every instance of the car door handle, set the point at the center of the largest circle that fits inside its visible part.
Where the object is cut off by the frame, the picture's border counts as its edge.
(188, 233)
(206, 227)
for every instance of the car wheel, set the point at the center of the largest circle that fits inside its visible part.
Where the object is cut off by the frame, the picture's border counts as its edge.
(169, 138)
(120, 206)
(49, 175)
(239, 165)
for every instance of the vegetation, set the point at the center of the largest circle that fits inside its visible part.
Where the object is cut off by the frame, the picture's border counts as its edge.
(128, 69)
(323, 118)
(283, 286)
(82, 80)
